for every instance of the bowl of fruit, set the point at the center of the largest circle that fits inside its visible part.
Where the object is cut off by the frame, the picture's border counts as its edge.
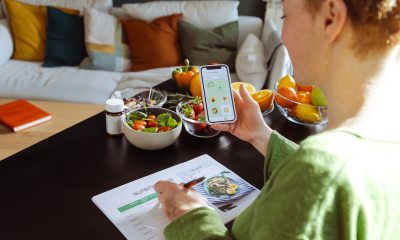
(305, 105)
(141, 97)
(152, 128)
(192, 114)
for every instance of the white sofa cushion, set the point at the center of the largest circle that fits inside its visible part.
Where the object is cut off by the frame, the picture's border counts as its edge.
(21, 79)
(150, 78)
(73, 4)
(204, 14)
(277, 58)
(6, 42)
(250, 62)
(247, 25)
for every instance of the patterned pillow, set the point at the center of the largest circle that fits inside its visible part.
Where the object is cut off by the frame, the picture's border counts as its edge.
(104, 42)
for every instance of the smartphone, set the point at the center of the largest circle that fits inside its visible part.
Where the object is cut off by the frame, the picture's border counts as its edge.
(219, 105)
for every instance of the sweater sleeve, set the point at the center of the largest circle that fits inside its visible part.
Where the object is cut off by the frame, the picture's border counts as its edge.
(279, 148)
(198, 224)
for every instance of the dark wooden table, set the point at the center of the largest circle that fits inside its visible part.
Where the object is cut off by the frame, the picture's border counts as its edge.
(46, 189)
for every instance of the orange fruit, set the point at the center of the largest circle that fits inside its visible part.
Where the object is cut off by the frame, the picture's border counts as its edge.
(287, 81)
(263, 98)
(195, 87)
(288, 93)
(250, 88)
(304, 97)
(305, 88)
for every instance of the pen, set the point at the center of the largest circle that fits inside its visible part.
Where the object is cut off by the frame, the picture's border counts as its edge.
(193, 182)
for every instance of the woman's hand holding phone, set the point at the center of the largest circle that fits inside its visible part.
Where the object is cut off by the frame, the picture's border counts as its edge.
(250, 125)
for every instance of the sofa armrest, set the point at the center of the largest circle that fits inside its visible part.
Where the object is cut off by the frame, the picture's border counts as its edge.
(6, 46)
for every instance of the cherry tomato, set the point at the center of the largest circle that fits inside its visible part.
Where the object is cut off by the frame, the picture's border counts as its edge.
(152, 123)
(199, 126)
(138, 127)
(164, 129)
(198, 108)
(140, 122)
(289, 94)
(152, 117)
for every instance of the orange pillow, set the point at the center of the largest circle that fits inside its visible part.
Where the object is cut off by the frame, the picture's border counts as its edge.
(154, 44)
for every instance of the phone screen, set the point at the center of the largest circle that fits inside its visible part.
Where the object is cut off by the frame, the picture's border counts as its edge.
(217, 94)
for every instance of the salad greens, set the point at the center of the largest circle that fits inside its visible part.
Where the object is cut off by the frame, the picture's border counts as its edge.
(147, 122)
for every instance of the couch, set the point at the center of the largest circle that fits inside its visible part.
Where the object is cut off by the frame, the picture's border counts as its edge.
(23, 79)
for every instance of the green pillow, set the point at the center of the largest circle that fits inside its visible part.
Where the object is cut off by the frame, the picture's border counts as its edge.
(65, 42)
(203, 46)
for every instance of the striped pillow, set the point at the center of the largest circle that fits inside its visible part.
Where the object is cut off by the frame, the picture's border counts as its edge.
(106, 51)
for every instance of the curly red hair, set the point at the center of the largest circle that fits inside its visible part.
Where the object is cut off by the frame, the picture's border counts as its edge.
(375, 22)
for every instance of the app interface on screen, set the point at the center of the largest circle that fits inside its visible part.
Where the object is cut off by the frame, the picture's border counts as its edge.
(218, 95)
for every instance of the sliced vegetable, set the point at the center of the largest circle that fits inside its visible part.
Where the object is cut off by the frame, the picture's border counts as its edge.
(137, 115)
(150, 130)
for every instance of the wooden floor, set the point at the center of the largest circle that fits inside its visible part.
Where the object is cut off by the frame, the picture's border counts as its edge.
(63, 114)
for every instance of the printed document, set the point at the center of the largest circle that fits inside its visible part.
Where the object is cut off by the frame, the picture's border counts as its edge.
(135, 211)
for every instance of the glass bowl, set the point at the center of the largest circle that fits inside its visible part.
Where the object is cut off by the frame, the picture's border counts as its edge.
(269, 110)
(301, 113)
(135, 98)
(195, 127)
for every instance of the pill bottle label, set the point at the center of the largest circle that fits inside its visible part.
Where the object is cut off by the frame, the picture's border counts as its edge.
(114, 124)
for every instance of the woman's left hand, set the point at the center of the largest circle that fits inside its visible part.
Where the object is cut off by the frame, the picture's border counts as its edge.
(176, 200)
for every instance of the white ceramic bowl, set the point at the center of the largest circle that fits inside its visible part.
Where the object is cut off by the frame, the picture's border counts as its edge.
(152, 141)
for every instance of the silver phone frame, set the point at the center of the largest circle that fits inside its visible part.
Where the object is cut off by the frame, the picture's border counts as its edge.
(204, 94)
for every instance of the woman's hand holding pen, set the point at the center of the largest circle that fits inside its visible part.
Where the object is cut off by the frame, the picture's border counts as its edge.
(176, 199)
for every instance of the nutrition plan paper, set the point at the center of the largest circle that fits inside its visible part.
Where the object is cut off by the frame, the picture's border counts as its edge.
(135, 211)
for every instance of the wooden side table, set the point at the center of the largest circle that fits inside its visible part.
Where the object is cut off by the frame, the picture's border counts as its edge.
(64, 115)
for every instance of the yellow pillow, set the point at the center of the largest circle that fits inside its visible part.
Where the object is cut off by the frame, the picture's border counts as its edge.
(29, 27)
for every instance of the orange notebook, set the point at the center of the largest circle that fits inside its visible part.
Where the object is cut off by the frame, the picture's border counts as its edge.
(20, 114)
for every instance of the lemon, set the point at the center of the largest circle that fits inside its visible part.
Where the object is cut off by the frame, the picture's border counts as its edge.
(250, 88)
(287, 81)
(231, 191)
(233, 186)
(318, 97)
(308, 113)
(195, 87)
(263, 98)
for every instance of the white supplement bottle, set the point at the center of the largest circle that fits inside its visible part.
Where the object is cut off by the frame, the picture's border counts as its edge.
(114, 116)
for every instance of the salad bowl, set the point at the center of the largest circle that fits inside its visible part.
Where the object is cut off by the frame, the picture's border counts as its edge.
(152, 138)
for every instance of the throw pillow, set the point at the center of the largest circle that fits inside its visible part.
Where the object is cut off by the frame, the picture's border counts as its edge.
(1, 10)
(65, 43)
(250, 62)
(28, 25)
(104, 42)
(204, 14)
(154, 44)
(6, 46)
(73, 4)
(202, 46)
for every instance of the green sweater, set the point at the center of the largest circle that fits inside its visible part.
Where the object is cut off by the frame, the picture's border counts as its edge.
(335, 185)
